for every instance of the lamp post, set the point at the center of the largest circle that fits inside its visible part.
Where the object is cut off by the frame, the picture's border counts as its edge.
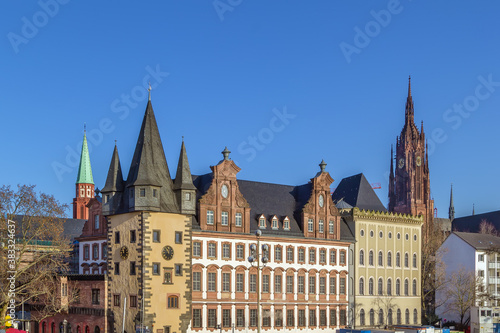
(254, 257)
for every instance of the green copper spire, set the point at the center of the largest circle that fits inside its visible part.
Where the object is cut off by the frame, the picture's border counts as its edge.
(85, 170)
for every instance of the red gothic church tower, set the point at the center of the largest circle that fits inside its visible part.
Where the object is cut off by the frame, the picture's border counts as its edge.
(84, 184)
(409, 183)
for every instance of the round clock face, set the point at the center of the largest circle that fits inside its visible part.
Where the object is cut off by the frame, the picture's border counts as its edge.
(124, 252)
(401, 163)
(321, 200)
(419, 161)
(224, 191)
(167, 252)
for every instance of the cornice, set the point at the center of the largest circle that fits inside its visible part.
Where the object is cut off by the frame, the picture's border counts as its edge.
(386, 216)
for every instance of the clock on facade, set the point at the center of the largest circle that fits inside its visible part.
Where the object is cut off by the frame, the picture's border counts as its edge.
(419, 161)
(124, 252)
(401, 163)
(167, 252)
(321, 201)
(224, 191)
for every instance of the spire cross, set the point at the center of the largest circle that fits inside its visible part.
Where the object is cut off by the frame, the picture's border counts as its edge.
(149, 90)
(409, 85)
(85, 127)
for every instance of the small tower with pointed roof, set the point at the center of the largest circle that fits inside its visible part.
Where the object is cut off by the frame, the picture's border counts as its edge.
(451, 210)
(113, 189)
(84, 183)
(184, 189)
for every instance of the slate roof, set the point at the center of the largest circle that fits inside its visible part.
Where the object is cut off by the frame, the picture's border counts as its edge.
(72, 227)
(114, 180)
(479, 241)
(471, 223)
(272, 199)
(357, 192)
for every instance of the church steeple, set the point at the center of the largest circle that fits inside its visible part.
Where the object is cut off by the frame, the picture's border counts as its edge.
(451, 210)
(84, 169)
(391, 182)
(84, 183)
(183, 184)
(409, 105)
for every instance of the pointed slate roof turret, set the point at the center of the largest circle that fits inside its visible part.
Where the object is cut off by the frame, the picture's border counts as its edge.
(183, 178)
(149, 165)
(84, 169)
(114, 180)
(357, 192)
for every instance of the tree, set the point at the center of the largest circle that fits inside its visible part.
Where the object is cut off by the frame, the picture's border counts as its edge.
(488, 228)
(462, 291)
(433, 272)
(33, 251)
(387, 305)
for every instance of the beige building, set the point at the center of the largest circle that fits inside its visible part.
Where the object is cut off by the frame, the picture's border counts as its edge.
(387, 269)
(149, 238)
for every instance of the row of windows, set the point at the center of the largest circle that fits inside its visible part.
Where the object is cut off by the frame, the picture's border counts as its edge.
(224, 218)
(278, 253)
(167, 271)
(321, 226)
(389, 259)
(314, 285)
(172, 301)
(388, 290)
(313, 320)
(156, 236)
(389, 320)
(95, 252)
(389, 235)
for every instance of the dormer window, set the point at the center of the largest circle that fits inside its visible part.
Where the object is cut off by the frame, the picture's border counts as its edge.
(237, 219)
(224, 218)
(210, 217)
(331, 227)
(187, 196)
(286, 223)
(96, 222)
(155, 192)
(275, 222)
(142, 192)
(262, 221)
(321, 226)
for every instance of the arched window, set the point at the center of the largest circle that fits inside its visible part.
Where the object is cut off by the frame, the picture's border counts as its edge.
(415, 316)
(406, 260)
(173, 301)
(78, 329)
(414, 260)
(370, 286)
(398, 317)
(389, 259)
(398, 287)
(44, 327)
(362, 317)
(414, 287)
(406, 287)
(380, 286)
(381, 317)
(380, 259)
(370, 258)
(361, 286)
(389, 317)
(398, 260)
(361, 257)
(61, 328)
(407, 317)
(97, 329)
(372, 317)
(389, 287)
(53, 328)
(87, 329)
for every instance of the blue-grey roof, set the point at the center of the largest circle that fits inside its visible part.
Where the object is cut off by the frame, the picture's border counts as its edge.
(471, 223)
(357, 192)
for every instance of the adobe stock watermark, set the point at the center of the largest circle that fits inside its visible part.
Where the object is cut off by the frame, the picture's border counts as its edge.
(255, 143)
(373, 28)
(121, 107)
(11, 268)
(455, 115)
(31, 26)
(223, 6)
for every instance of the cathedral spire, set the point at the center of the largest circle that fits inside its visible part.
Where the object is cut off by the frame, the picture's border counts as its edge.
(183, 178)
(84, 169)
(451, 210)
(114, 180)
(409, 105)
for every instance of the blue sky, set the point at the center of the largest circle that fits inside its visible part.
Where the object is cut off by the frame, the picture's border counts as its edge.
(283, 84)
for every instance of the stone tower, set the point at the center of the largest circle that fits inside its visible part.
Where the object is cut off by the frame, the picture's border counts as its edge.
(409, 182)
(84, 184)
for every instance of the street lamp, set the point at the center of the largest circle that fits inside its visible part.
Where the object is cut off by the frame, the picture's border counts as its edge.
(254, 257)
